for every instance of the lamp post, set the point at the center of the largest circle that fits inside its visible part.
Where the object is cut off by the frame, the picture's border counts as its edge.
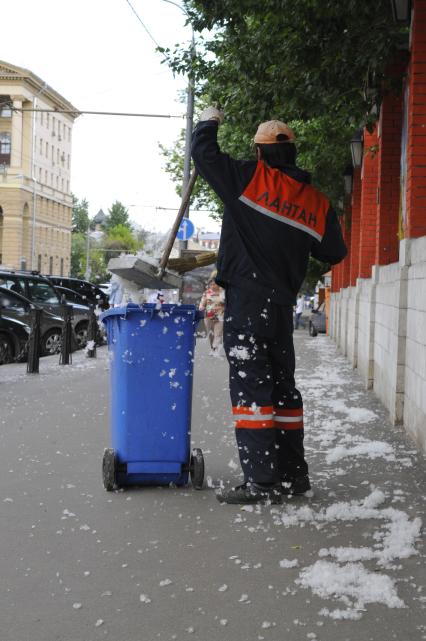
(401, 10)
(348, 179)
(357, 148)
(88, 270)
(189, 123)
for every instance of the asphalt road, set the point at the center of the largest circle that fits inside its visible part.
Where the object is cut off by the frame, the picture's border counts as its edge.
(81, 564)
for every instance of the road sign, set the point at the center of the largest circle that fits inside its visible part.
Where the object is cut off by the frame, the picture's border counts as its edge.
(186, 229)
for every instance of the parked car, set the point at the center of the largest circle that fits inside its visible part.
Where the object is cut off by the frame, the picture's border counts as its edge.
(77, 300)
(106, 288)
(18, 308)
(91, 294)
(14, 336)
(40, 291)
(317, 321)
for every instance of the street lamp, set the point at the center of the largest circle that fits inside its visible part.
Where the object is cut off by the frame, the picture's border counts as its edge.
(401, 10)
(348, 179)
(357, 148)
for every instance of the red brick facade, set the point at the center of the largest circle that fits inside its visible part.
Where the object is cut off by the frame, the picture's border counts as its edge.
(389, 166)
(368, 213)
(355, 227)
(373, 237)
(416, 141)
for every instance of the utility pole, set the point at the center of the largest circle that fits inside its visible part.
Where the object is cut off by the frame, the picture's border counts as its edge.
(88, 271)
(188, 136)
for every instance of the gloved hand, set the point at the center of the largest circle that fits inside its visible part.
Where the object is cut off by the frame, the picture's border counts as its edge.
(212, 113)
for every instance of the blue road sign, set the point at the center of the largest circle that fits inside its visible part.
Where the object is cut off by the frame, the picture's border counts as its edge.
(186, 229)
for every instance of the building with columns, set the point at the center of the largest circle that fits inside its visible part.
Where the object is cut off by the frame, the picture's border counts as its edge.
(35, 161)
(378, 299)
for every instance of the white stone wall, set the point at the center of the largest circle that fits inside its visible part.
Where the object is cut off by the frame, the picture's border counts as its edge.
(380, 325)
(366, 295)
(414, 414)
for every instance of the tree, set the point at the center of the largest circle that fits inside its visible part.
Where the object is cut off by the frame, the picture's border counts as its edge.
(119, 239)
(98, 269)
(318, 64)
(80, 215)
(117, 215)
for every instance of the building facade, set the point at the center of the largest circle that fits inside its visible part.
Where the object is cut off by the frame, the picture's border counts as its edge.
(378, 300)
(35, 162)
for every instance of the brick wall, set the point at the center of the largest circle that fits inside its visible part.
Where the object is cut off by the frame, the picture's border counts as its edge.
(416, 142)
(389, 164)
(368, 210)
(355, 226)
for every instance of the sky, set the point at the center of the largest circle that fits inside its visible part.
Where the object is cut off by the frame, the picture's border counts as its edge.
(98, 56)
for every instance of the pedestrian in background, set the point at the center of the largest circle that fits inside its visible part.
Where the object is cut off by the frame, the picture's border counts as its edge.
(273, 221)
(300, 305)
(213, 305)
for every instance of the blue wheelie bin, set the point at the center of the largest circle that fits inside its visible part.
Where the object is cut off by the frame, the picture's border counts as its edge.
(151, 372)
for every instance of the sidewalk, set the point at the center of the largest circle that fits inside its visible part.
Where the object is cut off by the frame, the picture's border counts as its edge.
(80, 564)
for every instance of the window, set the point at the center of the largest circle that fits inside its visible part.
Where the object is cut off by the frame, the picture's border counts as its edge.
(62, 267)
(53, 124)
(51, 265)
(47, 120)
(41, 117)
(5, 143)
(5, 110)
(47, 150)
(40, 175)
(39, 262)
(12, 284)
(41, 146)
(13, 304)
(41, 292)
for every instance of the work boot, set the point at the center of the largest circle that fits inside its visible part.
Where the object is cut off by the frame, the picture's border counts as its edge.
(293, 486)
(249, 493)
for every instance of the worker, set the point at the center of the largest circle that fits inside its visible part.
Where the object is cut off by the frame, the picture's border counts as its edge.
(273, 221)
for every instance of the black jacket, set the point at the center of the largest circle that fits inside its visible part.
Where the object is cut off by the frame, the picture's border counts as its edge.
(273, 220)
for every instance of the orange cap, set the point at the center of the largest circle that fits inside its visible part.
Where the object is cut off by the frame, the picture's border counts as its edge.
(268, 133)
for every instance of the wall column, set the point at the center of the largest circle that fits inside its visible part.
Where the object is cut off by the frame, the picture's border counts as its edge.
(368, 214)
(415, 224)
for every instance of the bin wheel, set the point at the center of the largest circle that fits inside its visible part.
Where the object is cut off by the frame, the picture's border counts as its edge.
(196, 468)
(109, 469)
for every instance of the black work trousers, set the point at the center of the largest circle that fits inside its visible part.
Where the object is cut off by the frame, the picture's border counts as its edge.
(267, 407)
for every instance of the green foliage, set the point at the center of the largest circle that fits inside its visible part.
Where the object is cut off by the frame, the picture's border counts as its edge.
(120, 238)
(117, 215)
(78, 254)
(314, 273)
(80, 215)
(317, 64)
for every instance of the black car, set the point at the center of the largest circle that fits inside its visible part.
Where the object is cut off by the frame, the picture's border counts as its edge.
(14, 337)
(90, 293)
(18, 308)
(40, 291)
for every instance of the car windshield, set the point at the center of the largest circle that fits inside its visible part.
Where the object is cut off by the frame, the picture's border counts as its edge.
(41, 292)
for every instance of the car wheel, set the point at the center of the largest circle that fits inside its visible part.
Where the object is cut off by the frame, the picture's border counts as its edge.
(312, 329)
(81, 335)
(7, 351)
(51, 342)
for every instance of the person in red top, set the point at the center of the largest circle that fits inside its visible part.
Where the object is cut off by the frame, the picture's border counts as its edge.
(213, 305)
(273, 221)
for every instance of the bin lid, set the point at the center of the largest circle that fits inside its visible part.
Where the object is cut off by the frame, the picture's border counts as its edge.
(151, 308)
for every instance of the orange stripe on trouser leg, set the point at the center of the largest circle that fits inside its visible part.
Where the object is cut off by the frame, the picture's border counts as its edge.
(243, 409)
(289, 419)
(254, 417)
(278, 411)
(254, 424)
